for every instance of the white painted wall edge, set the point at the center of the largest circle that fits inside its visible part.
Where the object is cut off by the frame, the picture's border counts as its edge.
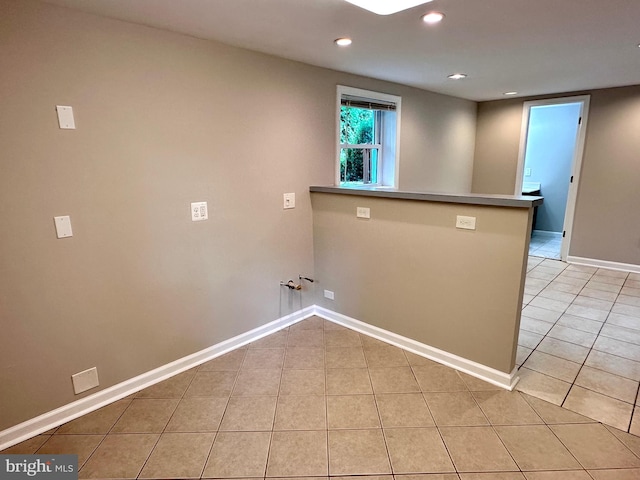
(592, 262)
(66, 413)
(70, 411)
(507, 381)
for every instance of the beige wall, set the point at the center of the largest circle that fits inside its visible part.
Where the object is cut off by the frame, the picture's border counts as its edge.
(162, 120)
(410, 271)
(436, 155)
(608, 189)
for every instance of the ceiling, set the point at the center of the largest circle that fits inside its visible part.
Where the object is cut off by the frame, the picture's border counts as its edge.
(529, 46)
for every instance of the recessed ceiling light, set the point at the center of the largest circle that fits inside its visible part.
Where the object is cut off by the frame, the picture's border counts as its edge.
(510, 93)
(432, 17)
(343, 42)
(386, 7)
(457, 76)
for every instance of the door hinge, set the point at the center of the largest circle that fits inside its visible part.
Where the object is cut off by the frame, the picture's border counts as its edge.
(564, 233)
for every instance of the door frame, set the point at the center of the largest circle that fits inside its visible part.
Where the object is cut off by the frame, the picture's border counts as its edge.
(576, 166)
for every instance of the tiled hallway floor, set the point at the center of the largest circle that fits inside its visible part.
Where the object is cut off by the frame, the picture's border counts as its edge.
(579, 343)
(545, 244)
(319, 400)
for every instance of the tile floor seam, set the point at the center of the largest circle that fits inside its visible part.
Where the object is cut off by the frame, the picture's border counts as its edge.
(582, 366)
(206, 461)
(567, 447)
(282, 370)
(446, 447)
(144, 464)
(326, 403)
(215, 435)
(105, 435)
(493, 429)
(612, 374)
(633, 410)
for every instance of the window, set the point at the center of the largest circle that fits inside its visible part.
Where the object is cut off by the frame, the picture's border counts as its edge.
(368, 126)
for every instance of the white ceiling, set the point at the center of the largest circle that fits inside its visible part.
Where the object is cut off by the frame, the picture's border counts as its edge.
(531, 46)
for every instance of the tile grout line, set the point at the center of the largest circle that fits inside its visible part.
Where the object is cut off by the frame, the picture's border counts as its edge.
(326, 395)
(215, 434)
(590, 348)
(573, 384)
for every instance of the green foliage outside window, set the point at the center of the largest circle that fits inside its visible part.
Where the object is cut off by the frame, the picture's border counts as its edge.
(356, 127)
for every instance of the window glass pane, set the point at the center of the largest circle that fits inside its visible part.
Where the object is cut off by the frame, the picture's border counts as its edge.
(359, 165)
(357, 125)
(351, 165)
(374, 165)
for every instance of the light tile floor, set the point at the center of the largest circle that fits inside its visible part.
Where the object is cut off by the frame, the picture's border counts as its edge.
(579, 344)
(545, 244)
(319, 400)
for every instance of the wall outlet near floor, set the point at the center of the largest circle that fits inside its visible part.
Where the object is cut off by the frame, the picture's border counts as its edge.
(466, 223)
(85, 380)
(328, 294)
(527, 172)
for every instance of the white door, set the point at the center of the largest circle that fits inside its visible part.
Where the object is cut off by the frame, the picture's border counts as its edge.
(570, 174)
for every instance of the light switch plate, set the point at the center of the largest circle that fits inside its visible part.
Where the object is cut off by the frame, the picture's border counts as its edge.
(199, 211)
(466, 223)
(65, 117)
(85, 380)
(63, 226)
(289, 200)
(363, 212)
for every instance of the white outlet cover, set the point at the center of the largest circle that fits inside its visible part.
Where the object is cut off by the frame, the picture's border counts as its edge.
(363, 212)
(85, 380)
(199, 211)
(65, 117)
(63, 226)
(466, 223)
(329, 294)
(289, 200)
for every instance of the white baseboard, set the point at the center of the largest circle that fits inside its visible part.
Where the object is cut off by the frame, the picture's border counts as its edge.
(592, 262)
(66, 413)
(505, 380)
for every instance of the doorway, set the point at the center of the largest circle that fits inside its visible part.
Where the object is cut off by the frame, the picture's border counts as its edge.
(549, 162)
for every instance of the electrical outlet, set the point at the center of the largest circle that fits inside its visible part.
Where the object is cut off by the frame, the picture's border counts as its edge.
(363, 212)
(85, 380)
(527, 172)
(289, 200)
(199, 211)
(466, 223)
(65, 117)
(63, 226)
(328, 294)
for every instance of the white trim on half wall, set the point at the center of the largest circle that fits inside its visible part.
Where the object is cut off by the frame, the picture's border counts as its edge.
(66, 413)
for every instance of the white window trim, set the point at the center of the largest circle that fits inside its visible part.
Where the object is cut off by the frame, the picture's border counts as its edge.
(358, 92)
